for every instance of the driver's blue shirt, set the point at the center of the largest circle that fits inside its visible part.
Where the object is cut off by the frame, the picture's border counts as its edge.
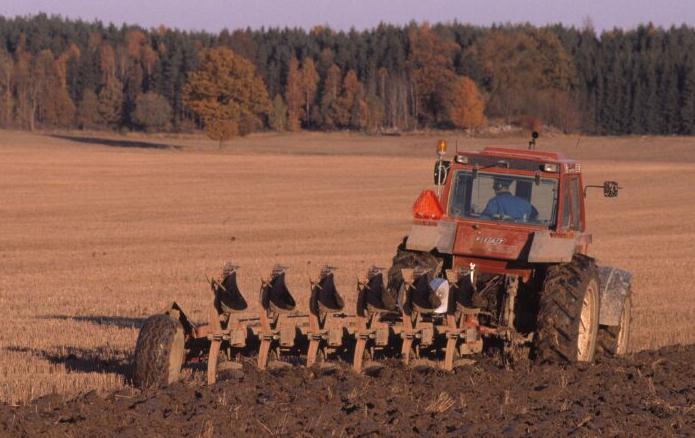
(506, 204)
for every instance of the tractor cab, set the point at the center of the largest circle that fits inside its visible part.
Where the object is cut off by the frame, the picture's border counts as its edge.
(503, 208)
(513, 222)
(493, 186)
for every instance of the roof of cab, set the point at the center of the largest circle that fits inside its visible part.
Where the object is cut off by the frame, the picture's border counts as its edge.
(524, 154)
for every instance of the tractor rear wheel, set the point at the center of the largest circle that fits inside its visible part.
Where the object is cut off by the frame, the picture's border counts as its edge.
(159, 352)
(614, 340)
(568, 313)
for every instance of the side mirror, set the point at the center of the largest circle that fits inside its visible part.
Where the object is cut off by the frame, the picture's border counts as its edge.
(610, 189)
(441, 170)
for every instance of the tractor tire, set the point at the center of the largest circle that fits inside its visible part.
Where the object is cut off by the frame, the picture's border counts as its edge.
(614, 340)
(159, 352)
(568, 313)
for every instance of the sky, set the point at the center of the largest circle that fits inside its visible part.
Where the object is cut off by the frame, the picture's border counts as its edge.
(215, 15)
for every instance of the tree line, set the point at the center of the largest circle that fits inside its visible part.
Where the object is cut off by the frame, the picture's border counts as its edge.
(62, 73)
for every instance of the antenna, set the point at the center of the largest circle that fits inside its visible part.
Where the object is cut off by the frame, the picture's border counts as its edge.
(578, 140)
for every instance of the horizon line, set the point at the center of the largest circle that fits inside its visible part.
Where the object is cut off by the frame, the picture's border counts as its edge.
(508, 24)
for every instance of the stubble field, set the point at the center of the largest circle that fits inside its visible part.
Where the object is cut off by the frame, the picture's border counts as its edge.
(97, 233)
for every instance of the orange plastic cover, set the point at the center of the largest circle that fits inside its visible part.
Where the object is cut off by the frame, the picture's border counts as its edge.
(427, 206)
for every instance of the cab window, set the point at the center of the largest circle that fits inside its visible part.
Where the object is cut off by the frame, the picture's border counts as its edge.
(504, 198)
(571, 201)
(575, 194)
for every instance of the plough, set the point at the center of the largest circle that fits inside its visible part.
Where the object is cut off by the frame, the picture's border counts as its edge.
(428, 323)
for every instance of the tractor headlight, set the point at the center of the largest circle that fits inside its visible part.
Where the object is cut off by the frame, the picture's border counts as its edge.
(548, 167)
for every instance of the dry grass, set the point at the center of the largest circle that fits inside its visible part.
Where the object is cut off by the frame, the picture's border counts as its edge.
(442, 403)
(96, 235)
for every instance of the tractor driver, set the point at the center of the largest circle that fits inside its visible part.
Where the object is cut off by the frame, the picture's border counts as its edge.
(505, 204)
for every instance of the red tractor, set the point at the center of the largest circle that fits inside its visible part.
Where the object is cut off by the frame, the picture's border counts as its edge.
(512, 223)
(497, 257)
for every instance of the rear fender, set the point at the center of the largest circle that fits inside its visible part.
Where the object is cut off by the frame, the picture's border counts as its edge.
(550, 247)
(614, 286)
(426, 238)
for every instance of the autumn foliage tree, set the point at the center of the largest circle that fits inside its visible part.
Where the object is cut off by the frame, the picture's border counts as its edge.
(88, 116)
(524, 72)
(6, 81)
(226, 94)
(110, 102)
(152, 111)
(431, 68)
(221, 130)
(329, 97)
(310, 82)
(110, 94)
(350, 107)
(467, 106)
(294, 95)
(278, 114)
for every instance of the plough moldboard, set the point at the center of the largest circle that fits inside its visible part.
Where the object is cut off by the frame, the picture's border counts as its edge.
(428, 321)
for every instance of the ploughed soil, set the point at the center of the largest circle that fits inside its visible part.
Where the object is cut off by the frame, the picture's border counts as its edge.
(646, 394)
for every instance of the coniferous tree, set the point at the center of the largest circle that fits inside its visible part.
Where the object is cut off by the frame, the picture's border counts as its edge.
(688, 98)
(6, 99)
(375, 113)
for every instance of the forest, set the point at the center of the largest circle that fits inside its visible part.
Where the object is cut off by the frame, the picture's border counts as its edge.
(71, 74)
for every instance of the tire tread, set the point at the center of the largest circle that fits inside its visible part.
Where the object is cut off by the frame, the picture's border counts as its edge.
(560, 307)
(153, 351)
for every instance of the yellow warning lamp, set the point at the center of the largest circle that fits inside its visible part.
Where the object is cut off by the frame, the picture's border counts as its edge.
(441, 148)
